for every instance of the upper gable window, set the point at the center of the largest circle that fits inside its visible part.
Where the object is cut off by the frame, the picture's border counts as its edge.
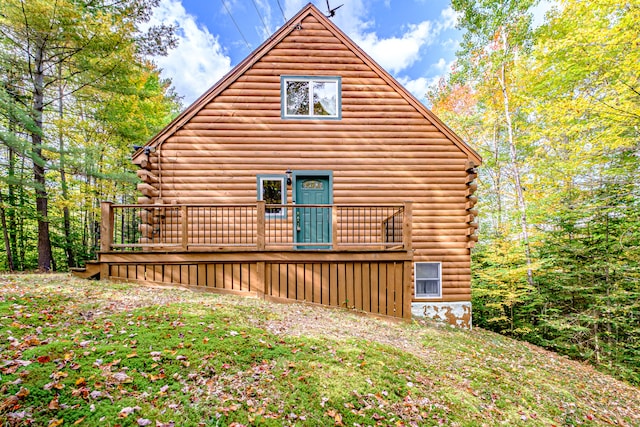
(311, 97)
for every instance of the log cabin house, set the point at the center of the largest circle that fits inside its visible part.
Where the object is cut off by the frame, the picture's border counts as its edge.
(306, 173)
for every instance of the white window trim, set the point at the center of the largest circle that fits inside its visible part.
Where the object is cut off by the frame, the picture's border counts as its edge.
(283, 180)
(311, 79)
(415, 281)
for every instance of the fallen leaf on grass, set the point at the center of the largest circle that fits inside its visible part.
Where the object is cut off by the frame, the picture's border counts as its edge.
(9, 403)
(54, 404)
(337, 417)
(143, 422)
(82, 392)
(125, 412)
(55, 422)
(44, 359)
(58, 374)
(22, 393)
(121, 377)
(154, 378)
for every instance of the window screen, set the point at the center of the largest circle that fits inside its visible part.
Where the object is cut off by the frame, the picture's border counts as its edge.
(428, 281)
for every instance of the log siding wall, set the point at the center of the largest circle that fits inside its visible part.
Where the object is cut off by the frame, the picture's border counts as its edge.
(383, 150)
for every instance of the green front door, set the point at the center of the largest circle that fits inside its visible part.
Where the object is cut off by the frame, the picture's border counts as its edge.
(313, 224)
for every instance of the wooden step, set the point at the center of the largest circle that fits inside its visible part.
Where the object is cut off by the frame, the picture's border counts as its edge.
(90, 271)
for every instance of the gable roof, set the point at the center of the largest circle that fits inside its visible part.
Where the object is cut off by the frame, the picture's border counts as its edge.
(309, 10)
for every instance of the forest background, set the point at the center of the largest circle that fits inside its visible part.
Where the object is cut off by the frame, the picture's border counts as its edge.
(554, 111)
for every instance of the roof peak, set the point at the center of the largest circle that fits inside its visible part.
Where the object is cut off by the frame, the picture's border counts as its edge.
(291, 25)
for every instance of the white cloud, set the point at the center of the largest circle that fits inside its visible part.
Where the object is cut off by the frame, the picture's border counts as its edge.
(449, 19)
(291, 7)
(420, 86)
(397, 53)
(265, 27)
(442, 66)
(199, 61)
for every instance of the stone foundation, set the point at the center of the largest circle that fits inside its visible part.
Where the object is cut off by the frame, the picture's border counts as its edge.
(454, 313)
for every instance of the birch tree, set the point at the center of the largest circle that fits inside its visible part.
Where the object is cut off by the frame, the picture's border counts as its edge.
(497, 34)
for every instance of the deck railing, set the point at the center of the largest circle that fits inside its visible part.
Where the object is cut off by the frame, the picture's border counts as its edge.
(256, 226)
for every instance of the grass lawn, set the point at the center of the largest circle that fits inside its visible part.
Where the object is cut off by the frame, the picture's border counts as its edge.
(76, 352)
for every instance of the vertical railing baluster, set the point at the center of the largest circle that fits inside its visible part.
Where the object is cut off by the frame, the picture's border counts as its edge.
(184, 218)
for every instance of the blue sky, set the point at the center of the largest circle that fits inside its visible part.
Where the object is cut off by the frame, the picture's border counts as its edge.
(414, 40)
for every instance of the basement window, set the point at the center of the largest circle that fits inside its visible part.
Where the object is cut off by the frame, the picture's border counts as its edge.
(428, 279)
(311, 97)
(273, 190)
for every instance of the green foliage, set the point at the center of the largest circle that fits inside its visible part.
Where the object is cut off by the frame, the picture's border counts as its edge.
(502, 298)
(74, 99)
(574, 91)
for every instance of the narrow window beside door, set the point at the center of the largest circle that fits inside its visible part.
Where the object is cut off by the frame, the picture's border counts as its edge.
(272, 189)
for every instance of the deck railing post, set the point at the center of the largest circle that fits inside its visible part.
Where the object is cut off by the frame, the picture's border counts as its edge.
(260, 223)
(106, 235)
(407, 225)
(334, 227)
(106, 226)
(184, 218)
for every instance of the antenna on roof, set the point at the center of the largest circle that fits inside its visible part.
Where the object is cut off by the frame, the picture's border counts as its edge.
(332, 12)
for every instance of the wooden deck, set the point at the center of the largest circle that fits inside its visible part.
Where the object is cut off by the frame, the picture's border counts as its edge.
(377, 282)
(365, 266)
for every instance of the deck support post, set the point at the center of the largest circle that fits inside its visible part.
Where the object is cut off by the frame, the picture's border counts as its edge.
(184, 217)
(334, 227)
(407, 225)
(260, 236)
(407, 293)
(260, 276)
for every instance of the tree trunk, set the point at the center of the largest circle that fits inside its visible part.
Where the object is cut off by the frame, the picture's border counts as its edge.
(513, 153)
(63, 180)
(498, 181)
(45, 257)
(5, 234)
(10, 212)
(21, 240)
